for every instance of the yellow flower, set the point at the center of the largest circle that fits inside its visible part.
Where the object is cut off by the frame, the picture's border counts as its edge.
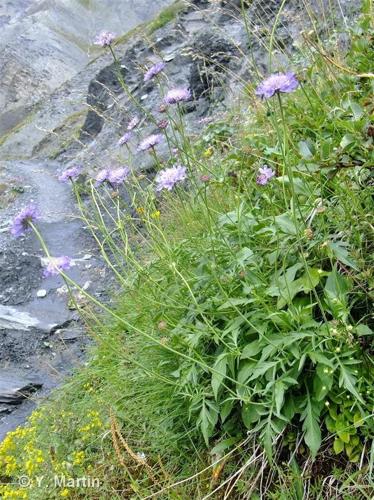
(208, 152)
(64, 493)
(156, 214)
(78, 457)
(140, 210)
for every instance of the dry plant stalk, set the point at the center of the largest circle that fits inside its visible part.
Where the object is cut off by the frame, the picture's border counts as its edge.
(116, 433)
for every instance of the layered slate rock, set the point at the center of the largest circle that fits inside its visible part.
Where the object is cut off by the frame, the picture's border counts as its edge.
(14, 388)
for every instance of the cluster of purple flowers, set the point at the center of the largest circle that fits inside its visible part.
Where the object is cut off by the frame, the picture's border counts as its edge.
(169, 177)
(124, 139)
(21, 223)
(150, 142)
(70, 174)
(56, 265)
(105, 39)
(264, 175)
(134, 122)
(115, 177)
(154, 71)
(174, 96)
(277, 83)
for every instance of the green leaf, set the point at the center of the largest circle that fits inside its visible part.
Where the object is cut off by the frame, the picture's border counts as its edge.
(363, 330)
(357, 110)
(234, 302)
(226, 409)
(347, 140)
(347, 380)
(311, 426)
(285, 224)
(245, 256)
(279, 390)
(219, 374)
(358, 420)
(208, 419)
(261, 369)
(223, 445)
(338, 446)
(250, 415)
(251, 349)
(305, 149)
(310, 279)
(342, 255)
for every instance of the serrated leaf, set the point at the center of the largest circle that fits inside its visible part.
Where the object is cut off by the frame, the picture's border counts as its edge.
(261, 369)
(251, 350)
(208, 419)
(347, 380)
(311, 427)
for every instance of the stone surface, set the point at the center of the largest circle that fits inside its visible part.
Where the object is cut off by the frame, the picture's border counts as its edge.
(15, 388)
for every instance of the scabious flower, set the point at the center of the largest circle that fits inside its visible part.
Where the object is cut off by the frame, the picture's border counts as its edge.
(118, 175)
(124, 139)
(70, 174)
(21, 223)
(278, 82)
(150, 142)
(105, 39)
(167, 178)
(133, 123)
(56, 265)
(154, 70)
(102, 176)
(177, 95)
(163, 124)
(115, 177)
(264, 176)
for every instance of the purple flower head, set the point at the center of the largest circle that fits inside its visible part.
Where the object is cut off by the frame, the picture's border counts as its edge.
(163, 124)
(265, 174)
(167, 178)
(70, 174)
(150, 142)
(21, 223)
(118, 175)
(133, 123)
(56, 265)
(105, 39)
(278, 82)
(177, 95)
(124, 139)
(102, 176)
(154, 70)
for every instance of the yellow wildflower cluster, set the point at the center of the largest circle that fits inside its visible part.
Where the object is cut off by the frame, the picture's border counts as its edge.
(93, 424)
(78, 457)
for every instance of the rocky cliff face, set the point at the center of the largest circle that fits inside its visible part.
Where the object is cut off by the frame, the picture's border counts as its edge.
(44, 43)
